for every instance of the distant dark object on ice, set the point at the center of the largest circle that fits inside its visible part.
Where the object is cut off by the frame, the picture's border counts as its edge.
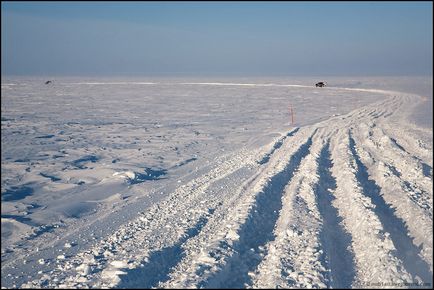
(48, 82)
(320, 84)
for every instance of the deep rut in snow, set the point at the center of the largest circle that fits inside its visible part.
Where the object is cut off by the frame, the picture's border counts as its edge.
(335, 240)
(159, 263)
(407, 252)
(257, 231)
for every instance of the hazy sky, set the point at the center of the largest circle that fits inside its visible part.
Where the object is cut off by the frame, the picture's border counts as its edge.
(216, 38)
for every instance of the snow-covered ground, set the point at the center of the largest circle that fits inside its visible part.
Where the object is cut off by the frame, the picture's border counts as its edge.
(206, 183)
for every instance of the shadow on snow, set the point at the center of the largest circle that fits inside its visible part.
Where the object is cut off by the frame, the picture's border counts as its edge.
(335, 240)
(257, 231)
(160, 263)
(406, 251)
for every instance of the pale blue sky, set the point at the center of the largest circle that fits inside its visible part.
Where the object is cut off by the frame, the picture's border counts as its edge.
(216, 38)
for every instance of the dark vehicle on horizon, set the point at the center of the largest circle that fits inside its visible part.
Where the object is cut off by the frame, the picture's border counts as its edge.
(320, 84)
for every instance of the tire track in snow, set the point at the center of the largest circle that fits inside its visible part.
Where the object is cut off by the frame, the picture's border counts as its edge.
(412, 138)
(208, 252)
(397, 152)
(426, 169)
(295, 258)
(159, 227)
(407, 252)
(406, 167)
(276, 146)
(373, 249)
(199, 261)
(159, 263)
(336, 241)
(175, 250)
(395, 193)
(257, 230)
(310, 250)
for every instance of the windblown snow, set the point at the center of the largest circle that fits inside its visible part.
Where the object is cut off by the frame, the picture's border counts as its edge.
(194, 183)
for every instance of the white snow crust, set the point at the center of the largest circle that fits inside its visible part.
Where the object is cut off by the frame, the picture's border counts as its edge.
(206, 183)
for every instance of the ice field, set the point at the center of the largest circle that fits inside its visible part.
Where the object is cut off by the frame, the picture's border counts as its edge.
(207, 182)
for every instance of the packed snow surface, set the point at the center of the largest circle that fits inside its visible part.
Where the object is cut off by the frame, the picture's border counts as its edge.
(211, 183)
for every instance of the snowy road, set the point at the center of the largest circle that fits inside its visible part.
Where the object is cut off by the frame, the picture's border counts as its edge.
(345, 201)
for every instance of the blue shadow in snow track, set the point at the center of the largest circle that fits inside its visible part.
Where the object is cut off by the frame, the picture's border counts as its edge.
(335, 240)
(160, 263)
(257, 231)
(426, 170)
(276, 146)
(406, 251)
